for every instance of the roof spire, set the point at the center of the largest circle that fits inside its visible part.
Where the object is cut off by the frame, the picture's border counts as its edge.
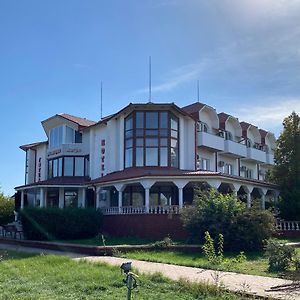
(150, 83)
(198, 97)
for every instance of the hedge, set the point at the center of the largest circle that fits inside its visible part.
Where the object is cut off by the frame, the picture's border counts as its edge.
(55, 223)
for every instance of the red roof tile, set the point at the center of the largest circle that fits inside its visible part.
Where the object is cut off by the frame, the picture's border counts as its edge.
(80, 121)
(32, 145)
(67, 180)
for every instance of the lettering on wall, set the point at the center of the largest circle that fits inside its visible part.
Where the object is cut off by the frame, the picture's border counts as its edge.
(102, 164)
(39, 168)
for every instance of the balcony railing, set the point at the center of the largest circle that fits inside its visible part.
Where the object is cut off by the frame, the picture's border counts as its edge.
(256, 154)
(288, 225)
(237, 149)
(129, 210)
(270, 158)
(210, 140)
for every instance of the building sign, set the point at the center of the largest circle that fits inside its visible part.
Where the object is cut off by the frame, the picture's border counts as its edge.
(39, 168)
(54, 152)
(102, 164)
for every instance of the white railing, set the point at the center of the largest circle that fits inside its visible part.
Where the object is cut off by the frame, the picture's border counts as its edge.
(288, 225)
(169, 209)
(127, 210)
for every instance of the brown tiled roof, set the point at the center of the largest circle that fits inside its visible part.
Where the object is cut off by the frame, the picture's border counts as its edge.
(222, 119)
(80, 121)
(66, 180)
(134, 172)
(193, 109)
(32, 145)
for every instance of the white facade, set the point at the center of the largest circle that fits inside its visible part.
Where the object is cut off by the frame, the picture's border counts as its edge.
(146, 155)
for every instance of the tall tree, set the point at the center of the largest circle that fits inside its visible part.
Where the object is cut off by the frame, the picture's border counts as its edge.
(286, 171)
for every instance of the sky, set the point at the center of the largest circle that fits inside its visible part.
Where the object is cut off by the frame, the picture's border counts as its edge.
(55, 53)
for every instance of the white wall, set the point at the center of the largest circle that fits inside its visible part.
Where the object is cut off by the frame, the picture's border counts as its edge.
(250, 165)
(187, 144)
(207, 154)
(228, 160)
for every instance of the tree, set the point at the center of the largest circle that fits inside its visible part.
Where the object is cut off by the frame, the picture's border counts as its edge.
(286, 171)
(7, 206)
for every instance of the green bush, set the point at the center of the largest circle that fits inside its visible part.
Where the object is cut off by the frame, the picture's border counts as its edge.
(7, 206)
(280, 256)
(242, 228)
(55, 223)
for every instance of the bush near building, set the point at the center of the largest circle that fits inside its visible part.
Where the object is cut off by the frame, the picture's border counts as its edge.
(242, 228)
(56, 223)
(7, 206)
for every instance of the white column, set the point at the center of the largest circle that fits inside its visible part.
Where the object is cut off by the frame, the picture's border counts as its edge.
(97, 198)
(61, 198)
(120, 188)
(42, 198)
(147, 186)
(248, 199)
(180, 183)
(263, 201)
(22, 199)
(147, 197)
(120, 200)
(180, 197)
(83, 200)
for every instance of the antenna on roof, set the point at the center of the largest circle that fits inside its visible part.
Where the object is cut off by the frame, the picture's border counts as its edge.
(198, 97)
(101, 100)
(150, 96)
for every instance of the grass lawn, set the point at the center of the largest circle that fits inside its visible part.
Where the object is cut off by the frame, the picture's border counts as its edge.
(25, 276)
(256, 263)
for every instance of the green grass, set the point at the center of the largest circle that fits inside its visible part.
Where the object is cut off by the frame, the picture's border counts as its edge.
(256, 263)
(26, 276)
(289, 239)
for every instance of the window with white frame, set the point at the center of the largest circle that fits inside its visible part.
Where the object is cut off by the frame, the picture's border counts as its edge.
(205, 164)
(248, 173)
(229, 169)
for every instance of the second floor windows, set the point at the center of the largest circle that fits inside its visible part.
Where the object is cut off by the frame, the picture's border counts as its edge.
(151, 139)
(68, 166)
(63, 135)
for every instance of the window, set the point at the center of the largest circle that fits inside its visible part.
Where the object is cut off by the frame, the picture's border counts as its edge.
(228, 135)
(70, 135)
(229, 169)
(56, 137)
(151, 139)
(203, 127)
(71, 198)
(248, 173)
(205, 164)
(68, 166)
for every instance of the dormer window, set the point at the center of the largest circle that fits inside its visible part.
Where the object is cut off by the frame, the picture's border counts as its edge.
(63, 135)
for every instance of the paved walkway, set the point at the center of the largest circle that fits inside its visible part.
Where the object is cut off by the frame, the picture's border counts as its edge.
(274, 288)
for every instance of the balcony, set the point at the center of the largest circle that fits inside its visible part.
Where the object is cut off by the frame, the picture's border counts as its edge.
(256, 155)
(270, 158)
(67, 149)
(235, 149)
(210, 141)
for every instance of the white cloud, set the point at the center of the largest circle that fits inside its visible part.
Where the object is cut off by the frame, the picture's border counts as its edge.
(270, 115)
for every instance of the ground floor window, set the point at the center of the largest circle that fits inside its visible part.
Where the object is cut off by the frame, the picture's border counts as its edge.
(133, 196)
(71, 198)
(52, 197)
(163, 195)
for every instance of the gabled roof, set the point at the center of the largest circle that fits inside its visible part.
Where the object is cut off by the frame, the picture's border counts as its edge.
(32, 145)
(223, 118)
(193, 108)
(83, 122)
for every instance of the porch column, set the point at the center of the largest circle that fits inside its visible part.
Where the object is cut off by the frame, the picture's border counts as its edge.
(61, 198)
(83, 200)
(180, 185)
(213, 183)
(263, 198)
(147, 184)
(235, 188)
(248, 199)
(42, 197)
(97, 198)
(22, 199)
(120, 188)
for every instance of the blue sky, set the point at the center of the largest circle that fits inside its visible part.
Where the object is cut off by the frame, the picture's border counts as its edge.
(54, 54)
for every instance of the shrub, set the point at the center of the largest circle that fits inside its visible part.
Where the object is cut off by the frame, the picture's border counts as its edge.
(242, 229)
(55, 223)
(213, 256)
(280, 256)
(7, 207)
